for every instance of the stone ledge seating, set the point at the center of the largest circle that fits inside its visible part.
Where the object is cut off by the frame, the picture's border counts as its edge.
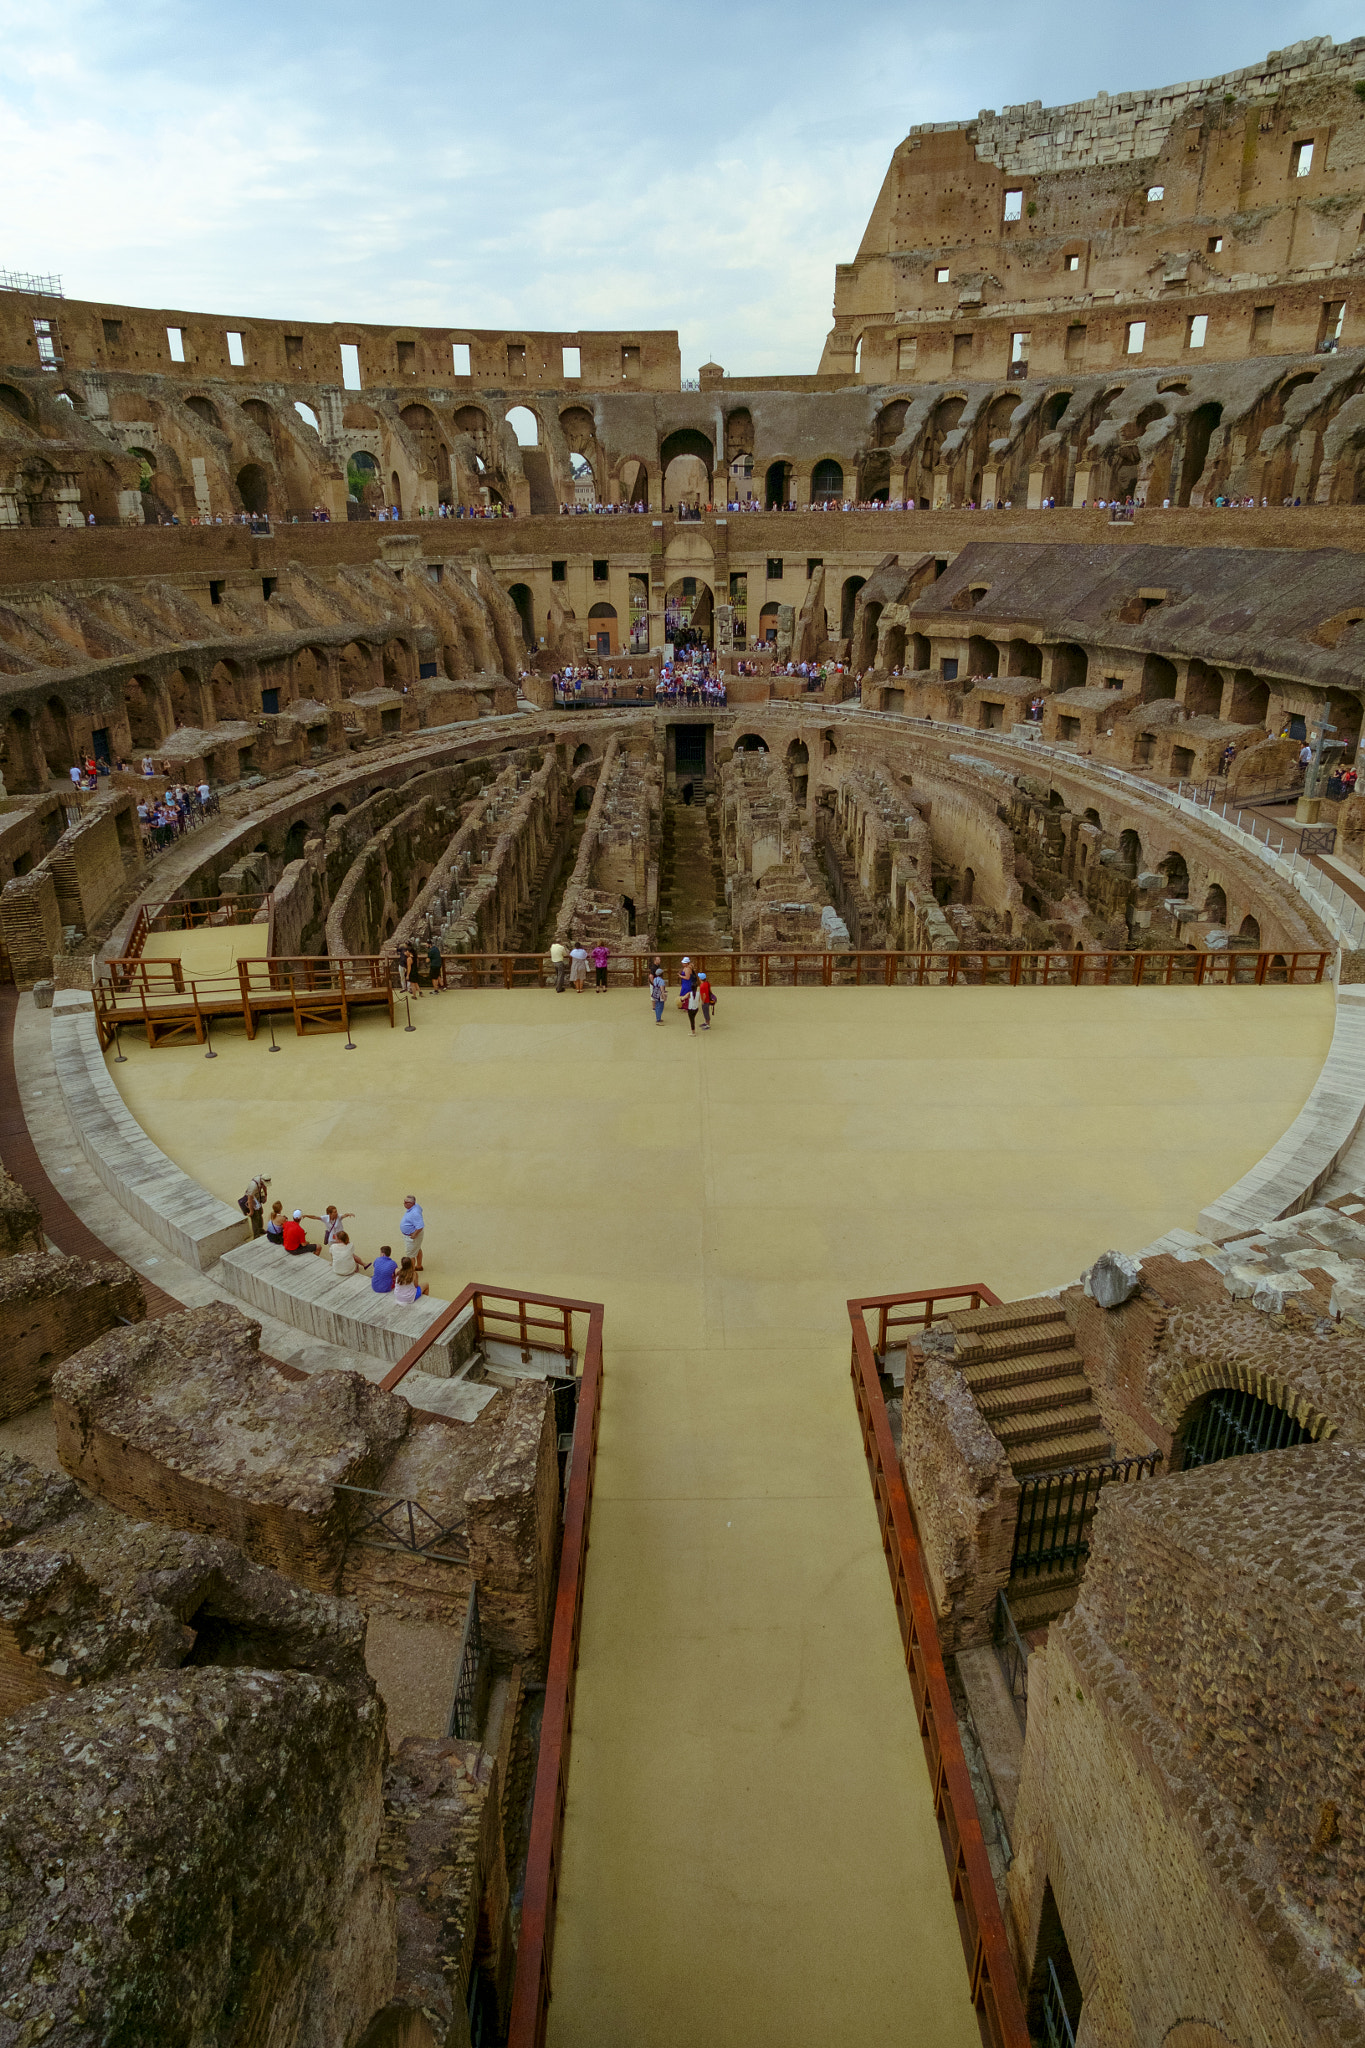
(305, 1292)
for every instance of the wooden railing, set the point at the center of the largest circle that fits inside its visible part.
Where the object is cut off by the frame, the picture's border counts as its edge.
(1176, 968)
(993, 1985)
(508, 1315)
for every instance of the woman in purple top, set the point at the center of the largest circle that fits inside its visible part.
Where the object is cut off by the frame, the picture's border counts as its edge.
(600, 956)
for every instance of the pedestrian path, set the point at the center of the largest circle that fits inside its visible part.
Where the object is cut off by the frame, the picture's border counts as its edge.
(750, 1854)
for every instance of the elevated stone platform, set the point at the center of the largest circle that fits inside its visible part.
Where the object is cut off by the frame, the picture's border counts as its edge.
(304, 1291)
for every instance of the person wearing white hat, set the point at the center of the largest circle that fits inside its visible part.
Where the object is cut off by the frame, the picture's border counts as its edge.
(296, 1237)
(685, 981)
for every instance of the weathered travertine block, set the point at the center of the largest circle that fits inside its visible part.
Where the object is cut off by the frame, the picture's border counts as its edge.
(965, 1499)
(512, 1509)
(86, 1595)
(1191, 1789)
(51, 1306)
(183, 1421)
(443, 1850)
(21, 1223)
(190, 1855)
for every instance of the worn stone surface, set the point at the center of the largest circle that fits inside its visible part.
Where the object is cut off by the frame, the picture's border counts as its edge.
(1113, 1279)
(50, 1306)
(21, 1224)
(1204, 1701)
(183, 1421)
(190, 1855)
(442, 1848)
(965, 1498)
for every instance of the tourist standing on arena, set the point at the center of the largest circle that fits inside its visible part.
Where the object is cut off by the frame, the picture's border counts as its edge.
(578, 966)
(708, 999)
(252, 1203)
(658, 993)
(412, 1225)
(559, 960)
(693, 1003)
(601, 953)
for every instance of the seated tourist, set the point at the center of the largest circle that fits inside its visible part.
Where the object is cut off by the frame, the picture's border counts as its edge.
(345, 1259)
(274, 1229)
(385, 1271)
(295, 1237)
(407, 1287)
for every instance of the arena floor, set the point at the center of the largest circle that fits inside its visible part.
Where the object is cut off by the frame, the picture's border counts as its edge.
(750, 1854)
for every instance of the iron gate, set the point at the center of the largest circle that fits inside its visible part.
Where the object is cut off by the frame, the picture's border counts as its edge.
(1231, 1424)
(1057, 1508)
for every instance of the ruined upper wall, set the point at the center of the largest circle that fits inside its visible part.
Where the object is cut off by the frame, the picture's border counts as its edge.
(89, 335)
(1040, 215)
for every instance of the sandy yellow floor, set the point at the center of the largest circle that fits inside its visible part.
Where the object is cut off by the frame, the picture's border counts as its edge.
(750, 1855)
(210, 949)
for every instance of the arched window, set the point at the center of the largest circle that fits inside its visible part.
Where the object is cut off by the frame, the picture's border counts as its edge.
(826, 482)
(1229, 1422)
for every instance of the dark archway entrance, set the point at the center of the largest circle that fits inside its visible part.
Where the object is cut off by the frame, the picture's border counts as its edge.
(1231, 1423)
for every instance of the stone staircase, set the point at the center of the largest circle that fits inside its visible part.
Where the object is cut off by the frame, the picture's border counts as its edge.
(1028, 1380)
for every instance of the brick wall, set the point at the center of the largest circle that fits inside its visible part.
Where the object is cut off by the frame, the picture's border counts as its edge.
(965, 1499)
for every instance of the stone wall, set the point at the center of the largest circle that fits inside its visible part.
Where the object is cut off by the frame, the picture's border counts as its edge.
(965, 1499)
(21, 1222)
(618, 855)
(50, 1307)
(1190, 1788)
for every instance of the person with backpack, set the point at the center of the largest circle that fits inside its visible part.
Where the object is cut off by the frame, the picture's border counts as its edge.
(708, 998)
(252, 1203)
(658, 994)
(693, 1000)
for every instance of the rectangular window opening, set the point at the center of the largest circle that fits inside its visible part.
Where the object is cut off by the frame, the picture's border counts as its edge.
(47, 347)
(516, 360)
(1215, 245)
(948, 668)
(236, 353)
(407, 358)
(1155, 192)
(559, 572)
(267, 588)
(573, 362)
(175, 342)
(1019, 347)
(962, 351)
(293, 351)
(350, 366)
(1014, 205)
(630, 364)
(941, 276)
(216, 593)
(1197, 329)
(1262, 320)
(459, 357)
(906, 355)
(1303, 159)
(1073, 262)
(774, 569)
(1137, 336)
(113, 333)
(601, 571)
(813, 562)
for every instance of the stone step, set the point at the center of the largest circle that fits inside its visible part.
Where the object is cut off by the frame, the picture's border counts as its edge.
(976, 1348)
(1075, 1418)
(1053, 1453)
(988, 1376)
(1069, 1390)
(1007, 1315)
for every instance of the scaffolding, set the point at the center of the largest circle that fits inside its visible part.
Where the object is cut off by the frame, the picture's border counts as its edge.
(26, 281)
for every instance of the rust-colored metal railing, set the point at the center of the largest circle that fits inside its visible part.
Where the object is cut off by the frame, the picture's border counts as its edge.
(995, 968)
(545, 1322)
(993, 1984)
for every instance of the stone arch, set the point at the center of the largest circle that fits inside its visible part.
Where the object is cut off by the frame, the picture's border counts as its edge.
(1249, 934)
(602, 626)
(1070, 666)
(1054, 405)
(205, 409)
(695, 457)
(983, 656)
(1130, 852)
(1176, 875)
(26, 770)
(140, 703)
(890, 423)
(397, 662)
(1025, 660)
(423, 429)
(18, 404)
(520, 594)
(848, 604)
(1216, 904)
(777, 485)
(253, 488)
(1189, 1389)
(1200, 428)
(920, 652)
(891, 655)
(826, 481)
(1158, 678)
(581, 755)
(739, 433)
(260, 415)
(58, 747)
(225, 694)
(1203, 690)
(751, 743)
(356, 663)
(182, 689)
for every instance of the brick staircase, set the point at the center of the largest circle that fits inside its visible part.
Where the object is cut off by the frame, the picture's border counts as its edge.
(1028, 1380)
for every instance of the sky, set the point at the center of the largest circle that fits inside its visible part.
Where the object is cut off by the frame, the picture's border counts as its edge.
(609, 164)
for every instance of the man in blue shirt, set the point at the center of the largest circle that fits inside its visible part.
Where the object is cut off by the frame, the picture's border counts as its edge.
(385, 1271)
(412, 1223)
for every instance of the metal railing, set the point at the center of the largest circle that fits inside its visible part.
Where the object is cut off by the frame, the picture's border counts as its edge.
(1013, 1654)
(381, 1522)
(993, 1988)
(471, 1669)
(1056, 2020)
(982, 967)
(1057, 1508)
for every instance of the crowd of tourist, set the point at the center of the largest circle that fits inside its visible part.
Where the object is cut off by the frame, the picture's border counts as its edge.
(166, 818)
(400, 1277)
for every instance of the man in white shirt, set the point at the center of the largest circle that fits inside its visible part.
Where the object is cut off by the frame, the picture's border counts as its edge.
(345, 1259)
(559, 960)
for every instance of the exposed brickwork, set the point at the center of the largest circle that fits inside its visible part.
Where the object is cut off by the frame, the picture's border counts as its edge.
(51, 1306)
